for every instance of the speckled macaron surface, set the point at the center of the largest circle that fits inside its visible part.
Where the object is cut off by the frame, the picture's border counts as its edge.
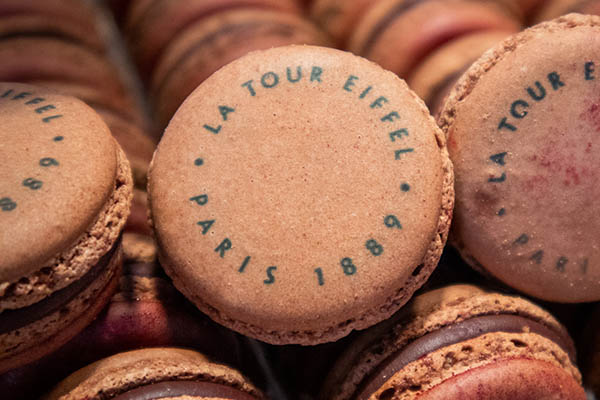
(460, 342)
(128, 375)
(522, 128)
(300, 193)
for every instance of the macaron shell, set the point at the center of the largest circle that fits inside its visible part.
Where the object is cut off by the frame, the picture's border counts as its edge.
(434, 368)
(33, 341)
(94, 240)
(215, 42)
(445, 65)
(421, 28)
(81, 31)
(163, 20)
(68, 11)
(555, 8)
(75, 186)
(299, 308)
(425, 313)
(526, 203)
(339, 17)
(136, 368)
(512, 379)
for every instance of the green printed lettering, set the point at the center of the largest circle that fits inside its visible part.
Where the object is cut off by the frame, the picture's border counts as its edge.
(391, 221)
(50, 118)
(523, 239)
(201, 200)
(501, 212)
(211, 129)
(537, 256)
(348, 266)
(7, 204)
(270, 277)
(269, 80)
(555, 81)
(248, 85)
(35, 100)
(48, 162)
(398, 134)
(561, 263)
(206, 225)
(224, 110)
(498, 179)
(5, 94)
(298, 74)
(390, 117)
(22, 95)
(584, 266)
(518, 103)
(32, 184)
(405, 187)
(506, 125)
(364, 92)
(45, 108)
(224, 246)
(589, 71)
(378, 103)
(320, 278)
(375, 248)
(499, 158)
(350, 82)
(315, 74)
(398, 153)
(242, 267)
(537, 96)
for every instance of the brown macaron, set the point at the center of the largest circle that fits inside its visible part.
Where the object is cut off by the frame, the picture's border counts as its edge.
(555, 8)
(415, 28)
(522, 128)
(156, 373)
(460, 342)
(216, 41)
(433, 79)
(299, 193)
(66, 193)
(153, 25)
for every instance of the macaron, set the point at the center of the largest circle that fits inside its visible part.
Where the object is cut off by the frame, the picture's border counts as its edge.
(156, 373)
(435, 76)
(590, 344)
(522, 127)
(415, 28)
(154, 24)
(460, 342)
(339, 17)
(299, 193)
(214, 42)
(555, 8)
(66, 193)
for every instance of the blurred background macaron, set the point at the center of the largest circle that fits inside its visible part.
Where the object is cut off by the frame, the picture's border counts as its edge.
(522, 128)
(156, 373)
(460, 342)
(555, 8)
(398, 34)
(66, 193)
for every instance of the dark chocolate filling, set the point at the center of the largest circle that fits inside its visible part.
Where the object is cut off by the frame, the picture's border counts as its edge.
(166, 389)
(11, 320)
(453, 334)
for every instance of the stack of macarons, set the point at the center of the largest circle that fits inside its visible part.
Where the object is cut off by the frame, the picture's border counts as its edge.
(178, 44)
(61, 262)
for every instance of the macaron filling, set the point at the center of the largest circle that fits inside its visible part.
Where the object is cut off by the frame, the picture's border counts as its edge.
(456, 333)
(169, 389)
(11, 320)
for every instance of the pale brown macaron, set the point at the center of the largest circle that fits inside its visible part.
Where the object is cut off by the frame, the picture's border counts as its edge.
(397, 34)
(339, 17)
(155, 373)
(460, 342)
(216, 41)
(522, 127)
(551, 9)
(66, 191)
(433, 79)
(299, 193)
(152, 25)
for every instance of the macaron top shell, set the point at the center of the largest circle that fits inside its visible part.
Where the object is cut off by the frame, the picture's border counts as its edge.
(58, 170)
(288, 206)
(122, 372)
(522, 127)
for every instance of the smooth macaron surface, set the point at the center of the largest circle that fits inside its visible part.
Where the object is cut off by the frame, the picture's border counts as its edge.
(299, 193)
(43, 137)
(522, 126)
